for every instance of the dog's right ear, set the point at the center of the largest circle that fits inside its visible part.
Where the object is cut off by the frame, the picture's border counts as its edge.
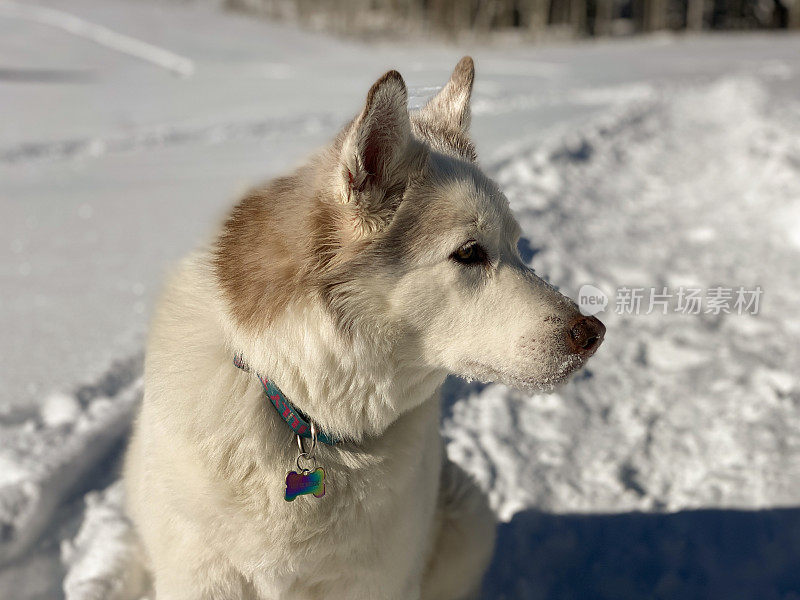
(375, 151)
(450, 107)
(444, 120)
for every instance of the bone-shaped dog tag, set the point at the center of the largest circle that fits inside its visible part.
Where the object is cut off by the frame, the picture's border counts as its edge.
(305, 482)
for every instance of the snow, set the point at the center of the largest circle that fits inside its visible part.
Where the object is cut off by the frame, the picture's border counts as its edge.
(668, 468)
(60, 409)
(100, 35)
(103, 559)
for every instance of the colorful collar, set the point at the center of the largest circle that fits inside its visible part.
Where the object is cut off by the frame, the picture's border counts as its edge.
(296, 421)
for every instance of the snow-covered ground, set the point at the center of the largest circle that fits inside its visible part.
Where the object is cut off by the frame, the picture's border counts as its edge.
(660, 162)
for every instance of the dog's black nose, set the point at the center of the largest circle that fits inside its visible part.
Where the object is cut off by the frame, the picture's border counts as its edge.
(585, 335)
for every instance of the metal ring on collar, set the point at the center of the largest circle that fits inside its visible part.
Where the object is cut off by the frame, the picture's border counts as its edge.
(311, 459)
(300, 445)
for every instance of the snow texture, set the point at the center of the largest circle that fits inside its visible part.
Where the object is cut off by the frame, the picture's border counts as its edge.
(667, 469)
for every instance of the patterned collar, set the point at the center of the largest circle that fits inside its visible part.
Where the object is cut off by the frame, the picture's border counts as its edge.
(295, 419)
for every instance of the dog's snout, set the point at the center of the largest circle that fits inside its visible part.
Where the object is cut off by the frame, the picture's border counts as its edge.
(585, 335)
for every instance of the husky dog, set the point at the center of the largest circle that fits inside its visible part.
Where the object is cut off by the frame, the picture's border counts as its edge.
(353, 287)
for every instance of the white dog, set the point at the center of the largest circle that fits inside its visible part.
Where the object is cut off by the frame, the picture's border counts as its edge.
(347, 290)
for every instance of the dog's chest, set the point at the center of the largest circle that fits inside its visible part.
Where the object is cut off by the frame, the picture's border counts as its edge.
(374, 520)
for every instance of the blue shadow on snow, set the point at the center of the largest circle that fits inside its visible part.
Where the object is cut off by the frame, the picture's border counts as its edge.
(699, 554)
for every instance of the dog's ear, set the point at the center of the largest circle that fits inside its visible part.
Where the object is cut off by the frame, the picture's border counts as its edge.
(450, 107)
(376, 151)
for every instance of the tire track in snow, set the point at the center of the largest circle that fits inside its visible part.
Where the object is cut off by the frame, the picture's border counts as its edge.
(103, 36)
(167, 136)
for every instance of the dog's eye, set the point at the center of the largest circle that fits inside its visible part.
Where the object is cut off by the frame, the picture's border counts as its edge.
(470, 253)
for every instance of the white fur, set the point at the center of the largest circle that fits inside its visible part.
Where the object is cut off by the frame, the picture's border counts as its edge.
(205, 471)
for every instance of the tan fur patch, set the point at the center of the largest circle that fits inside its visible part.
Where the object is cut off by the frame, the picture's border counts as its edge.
(271, 246)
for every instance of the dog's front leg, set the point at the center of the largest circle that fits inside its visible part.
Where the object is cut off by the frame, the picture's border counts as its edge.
(180, 582)
(185, 568)
(464, 538)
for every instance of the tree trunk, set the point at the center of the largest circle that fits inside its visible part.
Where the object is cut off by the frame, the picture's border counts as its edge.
(559, 12)
(655, 15)
(794, 15)
(695, 14)
(577, 16)
(484, 16)
(534, 14)
(604, 17)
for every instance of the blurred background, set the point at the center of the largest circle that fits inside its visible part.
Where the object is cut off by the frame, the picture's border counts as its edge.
(650, 145)
(528, 19)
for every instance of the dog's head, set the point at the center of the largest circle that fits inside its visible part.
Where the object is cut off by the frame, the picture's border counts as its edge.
(395, 230)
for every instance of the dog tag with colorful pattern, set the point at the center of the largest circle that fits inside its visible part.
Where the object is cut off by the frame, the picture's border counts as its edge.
(305, 482)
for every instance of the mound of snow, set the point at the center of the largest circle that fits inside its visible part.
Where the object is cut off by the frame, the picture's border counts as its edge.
(104, 561)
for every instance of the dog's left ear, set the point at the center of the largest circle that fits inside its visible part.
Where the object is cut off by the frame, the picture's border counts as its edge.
(377, 152)
(450, 107)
